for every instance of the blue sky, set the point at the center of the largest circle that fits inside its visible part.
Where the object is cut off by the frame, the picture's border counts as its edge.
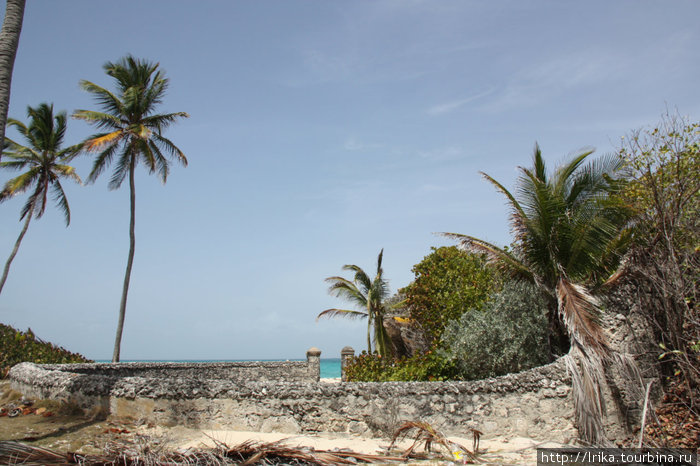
(319, 133)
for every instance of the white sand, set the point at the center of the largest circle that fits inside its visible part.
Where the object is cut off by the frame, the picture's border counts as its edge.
(517, 450)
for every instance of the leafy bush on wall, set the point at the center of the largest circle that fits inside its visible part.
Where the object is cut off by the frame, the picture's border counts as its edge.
(509, 334)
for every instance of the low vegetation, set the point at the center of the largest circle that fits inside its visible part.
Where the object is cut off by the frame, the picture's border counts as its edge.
(17, 346)
(507, 335)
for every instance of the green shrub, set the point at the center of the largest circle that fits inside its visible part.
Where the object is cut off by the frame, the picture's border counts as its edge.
(17, 346)
(509, 334)
(429, 366)
(448, 282)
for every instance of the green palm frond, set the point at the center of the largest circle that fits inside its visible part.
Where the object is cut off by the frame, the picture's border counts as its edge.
(342, 313)
(346, 290)
(100, 119)
(361, 278)
(59, 197)
(101, 162)
(21, 183)
(499, 257)
(104, 98)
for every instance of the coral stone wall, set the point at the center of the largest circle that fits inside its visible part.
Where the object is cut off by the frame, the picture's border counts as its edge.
(535, 403)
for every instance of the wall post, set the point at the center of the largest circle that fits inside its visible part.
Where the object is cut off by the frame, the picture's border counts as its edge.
(346, 354)
(313, 360)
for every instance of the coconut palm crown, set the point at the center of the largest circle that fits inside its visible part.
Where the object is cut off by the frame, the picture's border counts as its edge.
(132, 135)
(45, 163)
(569, 234)
(370, 295)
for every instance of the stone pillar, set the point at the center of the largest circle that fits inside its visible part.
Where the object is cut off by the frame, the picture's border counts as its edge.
(346, 354)
(313, 361)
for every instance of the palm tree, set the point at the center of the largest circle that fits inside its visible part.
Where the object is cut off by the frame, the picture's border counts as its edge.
(9, 40)
(570, 232)
(45, 162)
(132, 134)
(370, 296)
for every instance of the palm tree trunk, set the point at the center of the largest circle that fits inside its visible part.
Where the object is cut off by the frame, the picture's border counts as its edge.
(14, 251)
(9, 40)
(129, 264)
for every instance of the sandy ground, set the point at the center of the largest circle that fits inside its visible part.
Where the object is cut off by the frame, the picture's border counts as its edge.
(517, 450)
(67, 431)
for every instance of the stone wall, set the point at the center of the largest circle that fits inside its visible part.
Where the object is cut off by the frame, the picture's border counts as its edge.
(536, 403)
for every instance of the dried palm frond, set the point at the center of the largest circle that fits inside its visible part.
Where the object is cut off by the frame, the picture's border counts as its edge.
(426, 434)
(144, 453)
(18, 453)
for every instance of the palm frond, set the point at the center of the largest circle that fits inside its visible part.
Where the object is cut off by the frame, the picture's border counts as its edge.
(586, 371)
(101, 140)
(104, 98)
(170, 148)
(494, 255)
(101, 162)
(360, 278)
(162, 121)
(59, 197)
(20, 184)
(579, 312)
(345, 289)
(122, 167)
(350, 314)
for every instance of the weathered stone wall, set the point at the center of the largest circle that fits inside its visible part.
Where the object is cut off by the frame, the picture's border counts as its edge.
(535, 403)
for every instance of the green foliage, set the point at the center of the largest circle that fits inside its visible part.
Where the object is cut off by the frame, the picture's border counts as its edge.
(429, 366)
(17, 346)
(509, 334)
(368, 294)
(448, 282)
(664, 163)
(664, 168)
(43, 158)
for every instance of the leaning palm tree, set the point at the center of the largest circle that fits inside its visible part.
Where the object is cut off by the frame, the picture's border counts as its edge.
(570, 232)
(45, 162)
(132, 134)
(9, 40)
(370, 295)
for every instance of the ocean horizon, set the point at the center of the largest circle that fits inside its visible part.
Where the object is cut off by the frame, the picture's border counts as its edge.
(330, 367)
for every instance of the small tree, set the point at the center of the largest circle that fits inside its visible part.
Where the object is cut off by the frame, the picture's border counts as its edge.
(448, 282)
(370, 295)
(664, 168)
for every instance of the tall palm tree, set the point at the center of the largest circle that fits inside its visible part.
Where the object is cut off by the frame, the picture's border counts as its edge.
(569, 234)
(369, 295)
(45, 162)
(132, 134)
(9, 40)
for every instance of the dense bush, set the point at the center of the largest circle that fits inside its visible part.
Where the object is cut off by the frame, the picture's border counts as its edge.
(508, 335)
(429, 366)
(448, 282)
(17, 346)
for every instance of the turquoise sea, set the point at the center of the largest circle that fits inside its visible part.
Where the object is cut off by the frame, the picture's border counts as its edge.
(330, 367)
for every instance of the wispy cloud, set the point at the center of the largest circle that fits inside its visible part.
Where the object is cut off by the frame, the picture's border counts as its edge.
(448, 107)
(547, 79)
